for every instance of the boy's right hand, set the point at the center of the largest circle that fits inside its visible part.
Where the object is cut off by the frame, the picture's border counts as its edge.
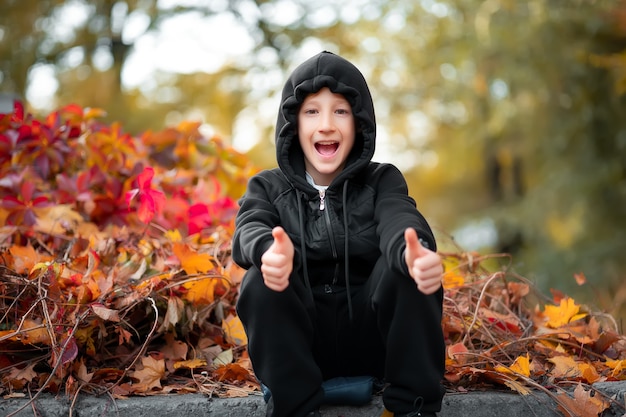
(277, 261)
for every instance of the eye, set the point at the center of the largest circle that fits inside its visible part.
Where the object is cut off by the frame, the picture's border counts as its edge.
(343, 111)
(309, 111)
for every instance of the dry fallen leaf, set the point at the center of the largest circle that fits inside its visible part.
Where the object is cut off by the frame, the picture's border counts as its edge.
(105, 313)
(583, 404)
(149, 377)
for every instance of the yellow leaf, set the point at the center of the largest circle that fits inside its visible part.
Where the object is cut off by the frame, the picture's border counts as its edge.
(565, 367)
(617, 366)
(521, 365)
(58, 219)
(234, 330)
(190, 364)
(452, 276)
(191, 261)
(562, 314)
(174, 235)
(516, 386)
(201, 291)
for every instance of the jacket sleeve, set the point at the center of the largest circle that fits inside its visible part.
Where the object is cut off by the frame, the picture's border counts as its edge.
(255, 220)
(395, 211)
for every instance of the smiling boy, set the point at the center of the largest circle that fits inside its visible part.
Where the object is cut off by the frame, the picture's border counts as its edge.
(342, 275)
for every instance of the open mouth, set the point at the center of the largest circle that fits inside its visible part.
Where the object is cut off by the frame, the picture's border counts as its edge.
(327, 148)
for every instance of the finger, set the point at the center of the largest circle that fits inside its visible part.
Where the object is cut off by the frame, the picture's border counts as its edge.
(280, 239)
(276, 286)
(412, 242)
(429, 287)
(412, 239)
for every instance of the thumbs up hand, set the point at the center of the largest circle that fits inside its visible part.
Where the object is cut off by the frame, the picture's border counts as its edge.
(424, 265)
(277, 261)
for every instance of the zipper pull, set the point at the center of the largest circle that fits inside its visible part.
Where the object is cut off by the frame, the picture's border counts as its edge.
(322, 196)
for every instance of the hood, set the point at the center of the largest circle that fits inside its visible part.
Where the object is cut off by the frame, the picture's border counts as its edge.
(340, 76)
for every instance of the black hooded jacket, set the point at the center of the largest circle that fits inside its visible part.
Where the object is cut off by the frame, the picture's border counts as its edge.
(367, 206)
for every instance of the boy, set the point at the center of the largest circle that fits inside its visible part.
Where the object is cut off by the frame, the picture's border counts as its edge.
(342, 278)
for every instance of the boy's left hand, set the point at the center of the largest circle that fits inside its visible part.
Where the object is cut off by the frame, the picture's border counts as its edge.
(424, 265)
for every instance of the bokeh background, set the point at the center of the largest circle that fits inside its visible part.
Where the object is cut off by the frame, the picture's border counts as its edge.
(507, 117)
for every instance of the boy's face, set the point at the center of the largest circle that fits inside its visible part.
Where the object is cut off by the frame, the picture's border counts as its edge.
(326, 132)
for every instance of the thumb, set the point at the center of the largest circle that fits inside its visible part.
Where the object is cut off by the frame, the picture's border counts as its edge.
(281, 239)
(414, 248)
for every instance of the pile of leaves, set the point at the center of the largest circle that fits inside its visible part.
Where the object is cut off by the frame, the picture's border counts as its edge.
(116, 277)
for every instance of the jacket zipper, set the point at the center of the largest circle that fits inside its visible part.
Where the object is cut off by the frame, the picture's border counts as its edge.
(329, 229)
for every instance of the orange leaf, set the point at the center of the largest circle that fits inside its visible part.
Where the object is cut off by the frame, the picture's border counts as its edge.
(34, 333)
(23, 258)
(588, 372)
(580, 278)
(565, 312)
(231, 372)
(517, 290)
(191, 261)
(457, 352)
(582, 404)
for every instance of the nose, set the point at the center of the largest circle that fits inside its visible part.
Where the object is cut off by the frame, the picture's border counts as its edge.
(326, 122)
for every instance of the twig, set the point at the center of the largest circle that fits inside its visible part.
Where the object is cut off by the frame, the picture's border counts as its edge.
(142, 349)
(55, 368)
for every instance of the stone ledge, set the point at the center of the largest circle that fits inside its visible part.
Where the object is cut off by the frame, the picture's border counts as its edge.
(475, 404)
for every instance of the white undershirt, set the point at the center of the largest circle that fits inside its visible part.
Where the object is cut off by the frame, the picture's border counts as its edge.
(311, 181)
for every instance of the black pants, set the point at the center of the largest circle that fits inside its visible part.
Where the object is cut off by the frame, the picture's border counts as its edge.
(296, 339)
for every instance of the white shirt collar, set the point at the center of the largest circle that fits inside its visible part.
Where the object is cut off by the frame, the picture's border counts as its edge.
(310, 180)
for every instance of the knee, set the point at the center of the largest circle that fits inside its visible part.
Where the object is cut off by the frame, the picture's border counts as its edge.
(252, 292)
(255, 296)
(398, 291)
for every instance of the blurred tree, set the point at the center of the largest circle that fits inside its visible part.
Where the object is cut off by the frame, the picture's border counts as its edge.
(502, 119)
(506, 116)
